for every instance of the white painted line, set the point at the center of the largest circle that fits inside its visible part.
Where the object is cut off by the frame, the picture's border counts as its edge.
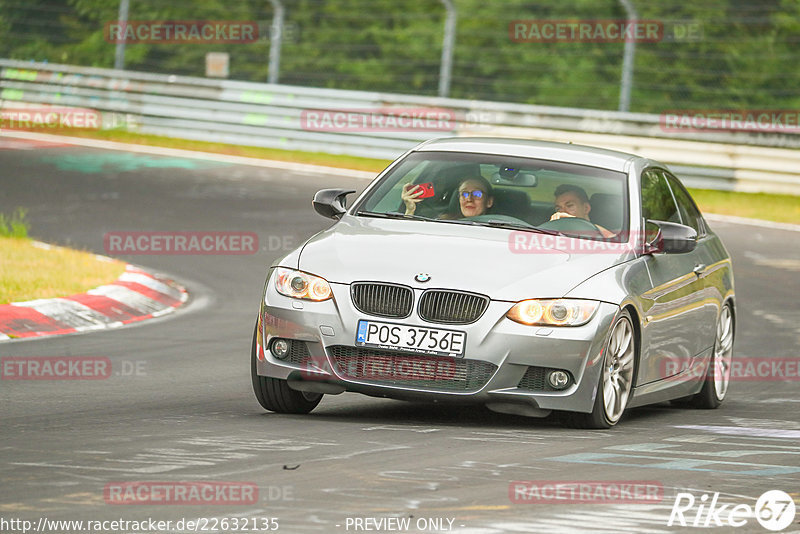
(193, 154)
(163, 312)
(746, 431)
(752, 222)
(99, 257)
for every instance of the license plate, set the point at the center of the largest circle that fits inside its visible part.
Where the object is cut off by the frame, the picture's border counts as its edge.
(417, 339)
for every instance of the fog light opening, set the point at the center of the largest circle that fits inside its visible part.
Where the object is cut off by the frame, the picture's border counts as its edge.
(279, 348)
(558, 379)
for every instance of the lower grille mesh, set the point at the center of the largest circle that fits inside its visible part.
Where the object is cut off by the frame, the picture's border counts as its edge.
(413, 370)
(298, 353)
(534, 379)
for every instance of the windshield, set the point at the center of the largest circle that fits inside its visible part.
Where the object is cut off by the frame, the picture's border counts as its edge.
(503, 191)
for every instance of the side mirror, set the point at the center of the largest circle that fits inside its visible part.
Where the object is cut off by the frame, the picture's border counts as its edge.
(669, 237)
(331, 203)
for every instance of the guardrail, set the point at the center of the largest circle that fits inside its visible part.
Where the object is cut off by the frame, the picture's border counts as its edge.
(281, 116)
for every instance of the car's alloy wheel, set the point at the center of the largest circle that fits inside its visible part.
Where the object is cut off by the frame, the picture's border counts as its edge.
(718, 376)
(618, 370)
(616, 379)
(275, 394)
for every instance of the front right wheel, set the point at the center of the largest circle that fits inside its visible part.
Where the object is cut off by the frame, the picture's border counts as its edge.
(274, 394)
(616, 379)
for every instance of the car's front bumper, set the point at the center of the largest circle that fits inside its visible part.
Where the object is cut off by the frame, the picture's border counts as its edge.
(499, 354)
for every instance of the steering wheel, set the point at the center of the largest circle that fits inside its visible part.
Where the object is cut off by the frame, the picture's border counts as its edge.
(571, 224)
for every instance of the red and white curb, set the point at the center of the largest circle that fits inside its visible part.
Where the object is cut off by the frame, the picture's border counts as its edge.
(135, 296)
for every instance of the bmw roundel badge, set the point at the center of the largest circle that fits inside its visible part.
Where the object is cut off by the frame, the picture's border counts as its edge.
(422, 277)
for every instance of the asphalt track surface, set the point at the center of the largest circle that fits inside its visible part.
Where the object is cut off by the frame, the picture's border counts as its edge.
(187, 412)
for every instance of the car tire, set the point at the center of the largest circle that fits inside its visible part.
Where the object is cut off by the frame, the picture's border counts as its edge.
(616, 378)
(718, 375)
(274, 394)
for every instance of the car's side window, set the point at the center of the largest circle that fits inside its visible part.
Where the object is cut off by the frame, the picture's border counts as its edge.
(690, 215)
(657, 201)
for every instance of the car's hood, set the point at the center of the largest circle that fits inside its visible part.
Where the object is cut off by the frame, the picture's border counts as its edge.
(470, 258)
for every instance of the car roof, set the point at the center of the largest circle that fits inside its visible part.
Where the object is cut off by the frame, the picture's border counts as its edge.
(566, 152)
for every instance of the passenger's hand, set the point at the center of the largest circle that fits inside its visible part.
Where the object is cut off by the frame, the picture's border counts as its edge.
(560, 215)
(410, 195)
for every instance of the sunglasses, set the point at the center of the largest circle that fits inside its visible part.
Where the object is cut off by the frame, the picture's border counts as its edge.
(477, 194)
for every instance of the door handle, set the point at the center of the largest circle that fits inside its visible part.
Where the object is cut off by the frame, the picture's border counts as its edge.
(699, 268)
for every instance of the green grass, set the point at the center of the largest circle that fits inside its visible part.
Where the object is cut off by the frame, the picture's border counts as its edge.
(31, 271)
(14, 225)
(28, 271)
(767, 206)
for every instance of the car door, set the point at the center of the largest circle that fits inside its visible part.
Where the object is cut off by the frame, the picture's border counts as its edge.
(707, 262)
(673, 305)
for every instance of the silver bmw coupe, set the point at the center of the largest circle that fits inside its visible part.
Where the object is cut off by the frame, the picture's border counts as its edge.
(531, 277)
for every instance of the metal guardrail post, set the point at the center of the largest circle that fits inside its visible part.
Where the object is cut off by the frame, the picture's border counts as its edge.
(275, 41)
(448, 45)
(119, 53)
(627, 61)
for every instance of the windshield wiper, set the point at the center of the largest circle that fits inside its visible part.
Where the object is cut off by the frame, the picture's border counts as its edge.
(393, 215)
(524, 227)
(490, 223)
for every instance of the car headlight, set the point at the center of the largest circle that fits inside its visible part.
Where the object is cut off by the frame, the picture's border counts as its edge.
(300, 285)
(553, 312)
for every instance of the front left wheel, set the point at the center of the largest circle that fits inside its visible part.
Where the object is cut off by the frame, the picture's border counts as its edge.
(718, 376)
(275, 394)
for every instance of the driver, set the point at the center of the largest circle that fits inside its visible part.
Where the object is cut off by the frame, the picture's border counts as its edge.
(572, 201)
(475, 197)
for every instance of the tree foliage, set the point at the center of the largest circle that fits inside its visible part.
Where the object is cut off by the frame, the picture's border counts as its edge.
(744, 55)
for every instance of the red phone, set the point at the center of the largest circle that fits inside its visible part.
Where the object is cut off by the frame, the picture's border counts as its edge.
(427, 190)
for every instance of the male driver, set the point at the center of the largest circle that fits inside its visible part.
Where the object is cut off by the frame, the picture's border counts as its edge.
(572, 201)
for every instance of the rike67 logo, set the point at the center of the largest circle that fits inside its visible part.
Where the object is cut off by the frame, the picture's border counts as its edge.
(774, 510)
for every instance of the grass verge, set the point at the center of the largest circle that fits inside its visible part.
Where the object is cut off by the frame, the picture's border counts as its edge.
(30, 271)
(767, 206)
